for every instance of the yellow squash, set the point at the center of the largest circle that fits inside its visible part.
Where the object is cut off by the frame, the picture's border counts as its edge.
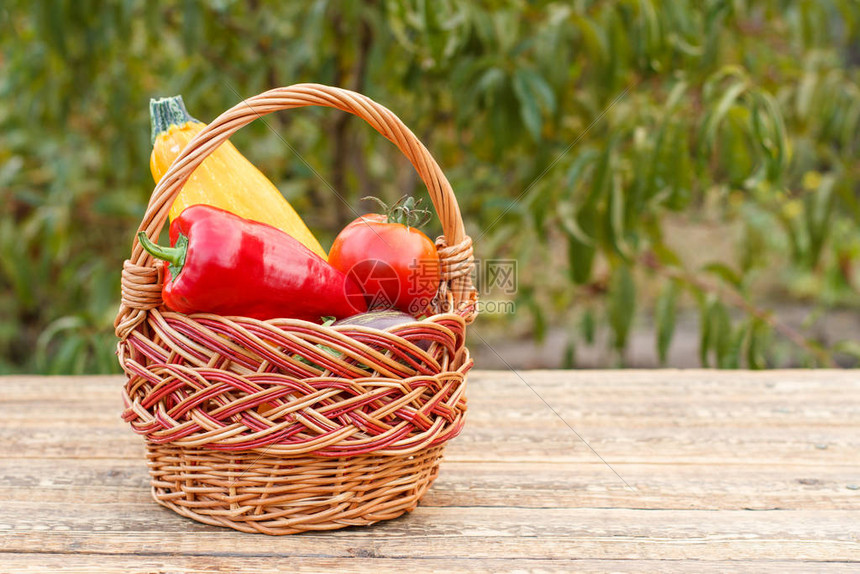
(225, 179)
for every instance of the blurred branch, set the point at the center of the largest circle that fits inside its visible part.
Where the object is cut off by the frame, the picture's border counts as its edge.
(735, 299)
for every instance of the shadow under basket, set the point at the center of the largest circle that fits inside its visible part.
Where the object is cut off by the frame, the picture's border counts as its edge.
(284, 426)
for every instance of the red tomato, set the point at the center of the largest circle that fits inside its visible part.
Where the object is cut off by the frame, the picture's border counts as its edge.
(396, 266)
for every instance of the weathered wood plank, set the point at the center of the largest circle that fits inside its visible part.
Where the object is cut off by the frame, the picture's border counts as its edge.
(455, 532)
(814, 446)
(538, 485)
(360, 563)
(527, 410)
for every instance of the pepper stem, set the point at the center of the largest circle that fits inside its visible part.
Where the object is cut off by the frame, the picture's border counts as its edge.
(175, 256)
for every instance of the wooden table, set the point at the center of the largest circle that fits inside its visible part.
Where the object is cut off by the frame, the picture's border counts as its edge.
(727, 471)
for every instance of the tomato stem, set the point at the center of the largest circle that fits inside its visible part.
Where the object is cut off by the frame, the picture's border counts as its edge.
(407, 211)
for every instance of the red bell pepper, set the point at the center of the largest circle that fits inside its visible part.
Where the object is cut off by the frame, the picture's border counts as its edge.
(224, 264)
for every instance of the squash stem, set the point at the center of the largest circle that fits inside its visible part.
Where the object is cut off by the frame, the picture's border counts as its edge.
(166, 112)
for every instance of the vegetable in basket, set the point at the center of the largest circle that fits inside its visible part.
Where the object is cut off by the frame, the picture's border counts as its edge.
(384, 321)
(225, 179)
(377, 319)
(395, 264)
(221, 263)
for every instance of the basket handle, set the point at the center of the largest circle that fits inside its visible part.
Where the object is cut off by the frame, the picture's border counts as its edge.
(455, 247)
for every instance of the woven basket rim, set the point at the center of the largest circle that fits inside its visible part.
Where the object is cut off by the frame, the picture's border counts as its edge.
(142, 275)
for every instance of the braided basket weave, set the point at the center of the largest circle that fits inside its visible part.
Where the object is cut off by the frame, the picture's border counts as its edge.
(250, 424)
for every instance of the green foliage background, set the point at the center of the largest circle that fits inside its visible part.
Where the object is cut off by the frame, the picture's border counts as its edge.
(576, 134)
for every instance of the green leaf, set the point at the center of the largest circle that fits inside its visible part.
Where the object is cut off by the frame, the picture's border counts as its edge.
(593, 37)
(578, 168)
(16, 268)
(580, 258)
(603, 172)
(621, 305)
(757, 342)
(848, 347)
(505, 118)
(664, 317)
(529, 110)
(725, 273)
(769, 133)
(705, 330)
(616, 211)
(539, 324)
(666, 255)
(732, 359)
(539, 88)
(71, 342)
(569, 359)
(721, 334)
(575, 177)
(580, 228)
(581, 250)
(818, 208)
(570, 225)
(490, 81)
(69, 357)
(678, 91)
(851, 124)
(849, 199)
(715, 116)
(805, 93)
(679, 168)
(588, 327)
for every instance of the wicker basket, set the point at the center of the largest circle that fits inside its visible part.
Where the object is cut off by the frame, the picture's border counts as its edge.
(250, 424)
